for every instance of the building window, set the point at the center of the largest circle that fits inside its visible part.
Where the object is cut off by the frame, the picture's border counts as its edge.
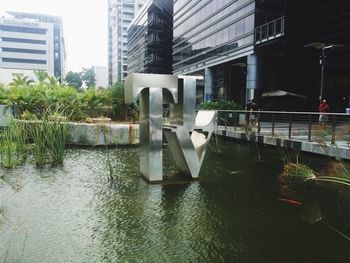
(21, 29)
(21, 60)
(22, 40)
(22, 50)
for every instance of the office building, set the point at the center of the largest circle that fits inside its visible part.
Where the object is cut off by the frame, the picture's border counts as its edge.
(120, 14)
(31, 42)
(251, 48)
(150, 38)
(101, 76)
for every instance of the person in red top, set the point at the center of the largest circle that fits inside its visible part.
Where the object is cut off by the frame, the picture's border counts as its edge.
(323, 108)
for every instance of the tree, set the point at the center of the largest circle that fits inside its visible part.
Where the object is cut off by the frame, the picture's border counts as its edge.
(120, 108)
(41, 75)
(53, 82)
(19, 81)
(89, 77)
(73, 79)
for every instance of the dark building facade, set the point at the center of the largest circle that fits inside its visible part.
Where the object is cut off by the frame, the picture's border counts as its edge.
(150, 38)
(247, 48)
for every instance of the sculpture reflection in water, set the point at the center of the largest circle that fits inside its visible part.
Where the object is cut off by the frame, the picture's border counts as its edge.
(187, 133)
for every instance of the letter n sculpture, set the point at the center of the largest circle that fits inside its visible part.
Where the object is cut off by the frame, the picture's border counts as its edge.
(187, 133)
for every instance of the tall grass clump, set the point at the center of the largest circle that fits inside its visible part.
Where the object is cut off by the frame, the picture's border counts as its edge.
(13, 150)
(49, 139)
(292, 178)
(57, 133)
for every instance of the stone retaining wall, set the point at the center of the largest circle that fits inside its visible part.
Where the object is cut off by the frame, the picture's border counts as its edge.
(102, 133)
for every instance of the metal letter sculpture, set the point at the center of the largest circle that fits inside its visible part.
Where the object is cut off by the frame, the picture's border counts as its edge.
(186, 133)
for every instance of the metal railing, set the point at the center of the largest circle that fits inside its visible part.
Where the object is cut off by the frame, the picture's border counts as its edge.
(291, 125)
(270, 30)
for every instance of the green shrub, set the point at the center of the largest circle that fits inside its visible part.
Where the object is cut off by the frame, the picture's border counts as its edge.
(35, 100)
(97, 103)
(220, 105)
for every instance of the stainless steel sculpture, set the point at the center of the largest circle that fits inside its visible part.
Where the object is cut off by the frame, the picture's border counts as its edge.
(187, 135)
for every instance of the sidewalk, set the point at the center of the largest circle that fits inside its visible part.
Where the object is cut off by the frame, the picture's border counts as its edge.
(320, 141)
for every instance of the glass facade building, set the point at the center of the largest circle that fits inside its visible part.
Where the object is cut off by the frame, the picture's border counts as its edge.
(245, 48)
(150, 39)
(206, 31)
(209, 33)
(291, 62)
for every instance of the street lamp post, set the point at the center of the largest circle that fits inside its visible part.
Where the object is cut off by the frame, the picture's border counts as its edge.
(323, 47)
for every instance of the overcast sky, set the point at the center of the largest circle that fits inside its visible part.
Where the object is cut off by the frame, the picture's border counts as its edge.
(84, 26)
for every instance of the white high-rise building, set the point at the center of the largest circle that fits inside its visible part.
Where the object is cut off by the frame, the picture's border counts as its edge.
(30, 42)
(120, 14)
(101, 76)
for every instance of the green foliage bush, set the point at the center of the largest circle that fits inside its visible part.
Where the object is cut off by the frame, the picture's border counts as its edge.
(220, 105)
(122, 110)
(31, 101)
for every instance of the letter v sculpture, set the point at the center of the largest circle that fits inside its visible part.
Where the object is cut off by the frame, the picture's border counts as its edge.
(187, 133)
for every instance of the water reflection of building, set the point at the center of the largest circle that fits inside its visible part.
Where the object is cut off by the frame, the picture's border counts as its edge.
(247, 47)
(31, 42)
(150, 38)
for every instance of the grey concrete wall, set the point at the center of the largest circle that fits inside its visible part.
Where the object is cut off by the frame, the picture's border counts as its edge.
(5, 115)
(101, 134)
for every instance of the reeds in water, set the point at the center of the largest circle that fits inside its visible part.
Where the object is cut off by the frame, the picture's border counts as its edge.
(292, 177)
(13, 150)
(49, 138)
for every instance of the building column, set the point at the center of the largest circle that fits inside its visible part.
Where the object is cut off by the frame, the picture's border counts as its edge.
(252, 76)
(208, 84)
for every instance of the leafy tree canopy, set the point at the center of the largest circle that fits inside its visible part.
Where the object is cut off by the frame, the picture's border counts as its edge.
(89, 77)
(73, 79)
(19, 81)
(41, 75)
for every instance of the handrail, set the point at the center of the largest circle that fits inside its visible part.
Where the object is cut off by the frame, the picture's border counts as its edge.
(334, 128)
(288, 112)
(269, 30)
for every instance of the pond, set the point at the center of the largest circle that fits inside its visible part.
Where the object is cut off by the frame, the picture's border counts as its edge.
(79, 212)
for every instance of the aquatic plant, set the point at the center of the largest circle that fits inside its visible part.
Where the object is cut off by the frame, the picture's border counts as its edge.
(36, 133)
(13, 149)
(336, 178)
(295, 182)
(108, 160)
(56, 135)
(291, 179)
(49, 138)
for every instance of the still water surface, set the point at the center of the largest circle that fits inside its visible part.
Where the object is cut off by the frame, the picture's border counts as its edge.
(76, 213)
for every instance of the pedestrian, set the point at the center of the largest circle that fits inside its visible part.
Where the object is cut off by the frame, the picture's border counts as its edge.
(346, 104)
(252, 117)
(323, 108)
(247, 113)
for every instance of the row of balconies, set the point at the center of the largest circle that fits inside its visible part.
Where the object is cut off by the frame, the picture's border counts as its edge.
(269, 31)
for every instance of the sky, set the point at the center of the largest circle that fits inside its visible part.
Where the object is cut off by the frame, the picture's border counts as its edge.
(84, 27)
